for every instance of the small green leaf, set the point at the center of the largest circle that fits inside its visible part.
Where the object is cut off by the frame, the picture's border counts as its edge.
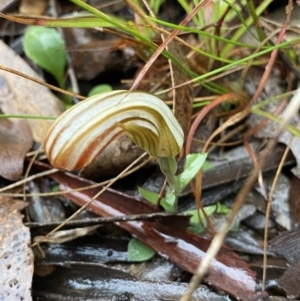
(226, 106)
(222, 209)
(100, 89)
(196, 226)
(150, 196)
(207, 165)
(54, 188)
(166, 202)
(46, 48)
(138, 251)
(192, 165)
(169, 202)
(235, 227)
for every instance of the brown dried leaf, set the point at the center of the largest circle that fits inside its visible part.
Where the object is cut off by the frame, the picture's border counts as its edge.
(15, 141)
(21, 96)
(32, 7)
(16, 258)
(280, 201)
(289, 281)
(6, 4)
(285, 138)
(287, 244)
(294, 200)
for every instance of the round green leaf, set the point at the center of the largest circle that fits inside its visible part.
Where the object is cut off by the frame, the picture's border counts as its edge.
(138, 251)
(46, 48)
(100, 89)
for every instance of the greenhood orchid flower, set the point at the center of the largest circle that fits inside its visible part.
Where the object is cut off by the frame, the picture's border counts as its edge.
(83, 131)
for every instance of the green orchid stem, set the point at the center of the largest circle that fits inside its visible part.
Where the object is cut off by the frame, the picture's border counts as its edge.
(168, 167)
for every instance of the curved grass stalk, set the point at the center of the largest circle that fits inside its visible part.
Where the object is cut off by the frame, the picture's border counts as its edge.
(293, 130)
(15, 116)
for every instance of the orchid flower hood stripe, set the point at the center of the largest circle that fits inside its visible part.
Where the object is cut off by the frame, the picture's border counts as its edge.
(83, 131)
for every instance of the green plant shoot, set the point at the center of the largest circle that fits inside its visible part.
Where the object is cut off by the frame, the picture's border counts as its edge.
(176, 183)
(138, 251)
(100, 89)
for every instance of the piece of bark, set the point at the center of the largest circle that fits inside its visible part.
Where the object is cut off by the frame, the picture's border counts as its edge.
(32, 7)
(294, 200)
(15, 141)
(290, 280)
(21, 96)
(16, 258)
(183, 104)
(287, 244)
